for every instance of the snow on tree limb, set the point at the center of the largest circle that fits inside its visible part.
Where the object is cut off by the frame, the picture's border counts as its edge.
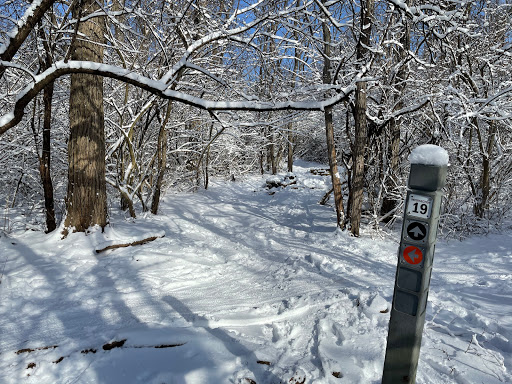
(161, 89)
(17, 36)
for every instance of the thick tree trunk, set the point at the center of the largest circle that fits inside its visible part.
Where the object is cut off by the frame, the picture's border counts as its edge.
(361, 133)
(86, 201)
(361, 126)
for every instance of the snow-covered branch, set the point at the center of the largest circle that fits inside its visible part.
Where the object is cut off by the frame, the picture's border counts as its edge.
(16, 37)
(161, 89)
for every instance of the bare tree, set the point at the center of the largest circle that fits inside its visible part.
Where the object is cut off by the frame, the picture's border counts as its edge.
(392, 154)
(86, 201)
(329, 130)
(45, 158)
(361, 126)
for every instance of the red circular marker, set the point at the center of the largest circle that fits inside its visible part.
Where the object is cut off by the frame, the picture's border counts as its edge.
(412, 255)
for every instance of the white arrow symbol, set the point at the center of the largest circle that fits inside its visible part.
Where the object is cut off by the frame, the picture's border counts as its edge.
(417, 232)
(413, 256)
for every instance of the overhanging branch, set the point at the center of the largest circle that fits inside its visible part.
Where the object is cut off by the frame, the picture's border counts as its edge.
(16, 37)
(161, 89)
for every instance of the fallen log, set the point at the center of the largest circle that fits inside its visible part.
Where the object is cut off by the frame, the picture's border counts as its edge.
(138, 242)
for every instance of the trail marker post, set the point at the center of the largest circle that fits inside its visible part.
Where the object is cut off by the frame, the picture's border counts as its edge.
(427, 177)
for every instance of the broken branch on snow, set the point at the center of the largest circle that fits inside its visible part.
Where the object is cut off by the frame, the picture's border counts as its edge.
(124, 245)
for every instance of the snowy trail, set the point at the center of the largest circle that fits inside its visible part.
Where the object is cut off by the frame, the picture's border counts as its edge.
(247, 286)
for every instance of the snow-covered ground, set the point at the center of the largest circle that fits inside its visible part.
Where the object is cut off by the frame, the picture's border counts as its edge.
(248, 285)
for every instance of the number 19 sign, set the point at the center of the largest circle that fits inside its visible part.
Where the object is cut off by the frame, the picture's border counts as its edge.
(415, 260)
(419, 206)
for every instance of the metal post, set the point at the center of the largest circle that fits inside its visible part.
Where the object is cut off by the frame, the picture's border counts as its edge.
(412, 281)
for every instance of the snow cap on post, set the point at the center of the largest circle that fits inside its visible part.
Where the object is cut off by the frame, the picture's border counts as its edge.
(429, 154)
(429, 164)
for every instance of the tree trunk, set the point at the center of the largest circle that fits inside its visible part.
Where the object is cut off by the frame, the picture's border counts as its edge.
(161, 164)
(207, 159)
(44, 164)
(161, 160)
(45, 159)
(333, 166)
(483, 192)
(296, 64)
(272, 155)
(361, 133)
(126, 201)
(389, 201)
(361, 126)
(290, 147)
(329, 133)
(86, 201)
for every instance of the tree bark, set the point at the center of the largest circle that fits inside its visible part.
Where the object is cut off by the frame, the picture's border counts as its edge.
(126, 202)
(45, 158)
(161, 160)
(86, 201)
(333, 167)
(329, 133)
(272, 154)
(483, 192)
(389, 201)
(296, 61)
(290, 148)
(44, 164)
(361, 126)
(361, 133)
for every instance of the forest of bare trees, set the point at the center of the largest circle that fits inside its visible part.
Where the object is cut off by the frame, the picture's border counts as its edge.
(106, 104)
